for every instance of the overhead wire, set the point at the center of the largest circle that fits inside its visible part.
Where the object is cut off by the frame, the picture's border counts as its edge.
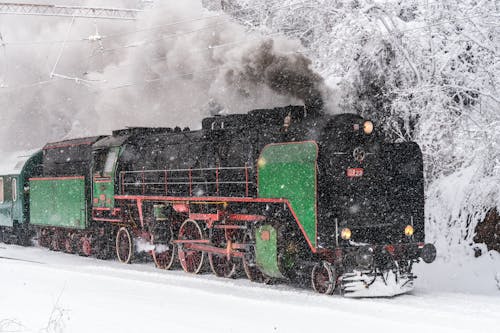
(236, 42)
(28, 85)
(223, 14)
(214, 46)
(178, 34)
(226, 17)
(35, 42)
(145, 42)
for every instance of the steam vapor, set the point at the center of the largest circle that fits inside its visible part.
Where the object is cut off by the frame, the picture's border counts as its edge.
(177, 63)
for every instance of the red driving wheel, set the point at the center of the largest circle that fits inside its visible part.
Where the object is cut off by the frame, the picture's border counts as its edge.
(191, 260)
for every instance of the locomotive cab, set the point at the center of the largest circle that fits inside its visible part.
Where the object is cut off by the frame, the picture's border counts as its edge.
(105, 154)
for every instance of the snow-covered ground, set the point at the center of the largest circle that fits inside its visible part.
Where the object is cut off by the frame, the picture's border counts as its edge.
(43, 291)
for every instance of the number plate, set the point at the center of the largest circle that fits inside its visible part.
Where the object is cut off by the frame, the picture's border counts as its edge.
(354, 172)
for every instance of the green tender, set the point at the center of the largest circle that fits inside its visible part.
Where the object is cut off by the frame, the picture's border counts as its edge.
(266, 251)
(288, 171)
(58, 202)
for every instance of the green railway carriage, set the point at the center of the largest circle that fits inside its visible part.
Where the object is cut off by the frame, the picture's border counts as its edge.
(15, 171)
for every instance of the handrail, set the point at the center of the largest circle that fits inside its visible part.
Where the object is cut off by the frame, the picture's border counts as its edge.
(162, 180)
(186, 183)
(184, 170)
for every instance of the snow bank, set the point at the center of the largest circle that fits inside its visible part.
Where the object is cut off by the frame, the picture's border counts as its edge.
(56, 292)
(455, 205)
(461, 273)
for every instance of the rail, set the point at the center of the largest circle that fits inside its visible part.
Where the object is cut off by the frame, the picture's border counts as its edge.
(214, 181)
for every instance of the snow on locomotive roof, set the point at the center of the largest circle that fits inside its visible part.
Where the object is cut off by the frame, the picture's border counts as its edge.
(11, 163)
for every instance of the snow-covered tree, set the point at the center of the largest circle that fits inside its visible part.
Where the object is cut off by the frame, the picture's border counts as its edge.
(425, 70)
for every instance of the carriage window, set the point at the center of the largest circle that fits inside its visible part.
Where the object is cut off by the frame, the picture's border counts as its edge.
(1, 189)
(14, 189)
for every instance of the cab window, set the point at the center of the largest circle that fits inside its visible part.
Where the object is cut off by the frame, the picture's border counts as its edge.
(110, 161)
(104, 161)
(99, 160)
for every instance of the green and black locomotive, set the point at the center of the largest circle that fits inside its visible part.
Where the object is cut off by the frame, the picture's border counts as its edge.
(281, 194)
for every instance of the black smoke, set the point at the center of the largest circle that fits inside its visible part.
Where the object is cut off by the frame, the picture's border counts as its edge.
(287, 74)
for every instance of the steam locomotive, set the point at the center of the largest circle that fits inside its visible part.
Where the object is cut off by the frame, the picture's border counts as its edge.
(280, 194)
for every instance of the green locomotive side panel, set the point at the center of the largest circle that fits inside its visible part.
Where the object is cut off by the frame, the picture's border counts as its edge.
(104, 191)
(266, 251)
(58, 202)
(288, 171)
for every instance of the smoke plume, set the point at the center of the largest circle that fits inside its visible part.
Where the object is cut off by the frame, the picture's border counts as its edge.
(168, 68)
(288, 75)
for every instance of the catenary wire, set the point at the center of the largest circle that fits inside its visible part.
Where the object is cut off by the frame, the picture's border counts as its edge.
(187, 74)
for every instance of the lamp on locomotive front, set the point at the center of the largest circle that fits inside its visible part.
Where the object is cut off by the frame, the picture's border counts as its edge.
(368, 127)
(409, 231)
(346, 234)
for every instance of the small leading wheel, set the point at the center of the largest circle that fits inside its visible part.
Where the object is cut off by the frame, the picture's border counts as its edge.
(191, 260)
(164, 255)
(124, 245)
(323, 278)
(252, 272)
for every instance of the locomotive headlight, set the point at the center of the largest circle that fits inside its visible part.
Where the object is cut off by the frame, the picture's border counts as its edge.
(346, 234)
(364, 257)
(409, 231)
(368, 127)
